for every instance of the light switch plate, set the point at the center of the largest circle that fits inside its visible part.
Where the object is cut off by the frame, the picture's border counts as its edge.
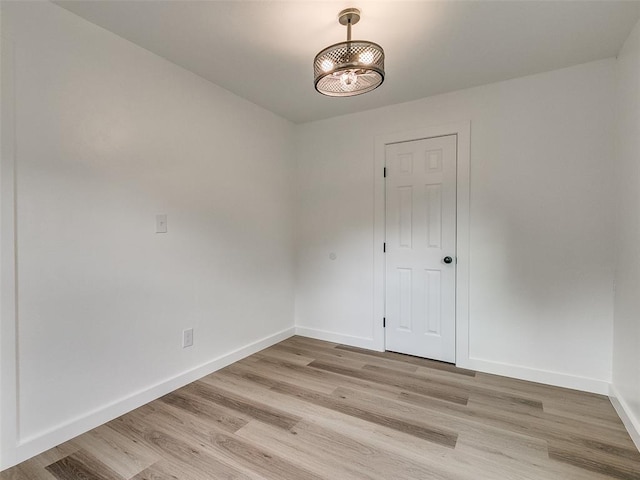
(187, 338)
(161, 223)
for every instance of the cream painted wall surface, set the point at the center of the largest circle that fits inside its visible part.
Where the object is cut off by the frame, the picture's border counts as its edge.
(107, 136)
(626, 347)
(541, 265)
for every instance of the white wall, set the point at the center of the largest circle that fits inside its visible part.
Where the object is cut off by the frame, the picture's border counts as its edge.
(626, 347)
(107, 135)
(541, 262)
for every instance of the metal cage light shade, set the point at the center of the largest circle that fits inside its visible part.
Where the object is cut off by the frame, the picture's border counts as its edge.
(349, 68)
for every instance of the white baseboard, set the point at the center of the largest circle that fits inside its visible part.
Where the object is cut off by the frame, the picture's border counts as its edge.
(29, 447)
(631, 422)
(539, 376)
(361, 342)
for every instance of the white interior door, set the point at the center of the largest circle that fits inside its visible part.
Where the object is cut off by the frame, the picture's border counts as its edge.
(420, 241)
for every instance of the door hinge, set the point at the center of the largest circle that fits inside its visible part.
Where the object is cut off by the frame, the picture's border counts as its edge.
(384, 247)
(384, 322)
(384, 172)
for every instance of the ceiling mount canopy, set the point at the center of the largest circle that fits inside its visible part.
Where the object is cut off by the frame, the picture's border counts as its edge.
(349, 68)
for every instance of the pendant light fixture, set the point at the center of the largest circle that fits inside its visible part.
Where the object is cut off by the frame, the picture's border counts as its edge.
(349, 68)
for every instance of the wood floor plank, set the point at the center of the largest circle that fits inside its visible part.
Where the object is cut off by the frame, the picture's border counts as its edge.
(299, 357)
(350, 458)
(26, 471)
(183, 451)
(530, 422)
(459, 469)
(421, 362)
(331, 356)
(498, 464)
(402, 382)
(122, 455)
(453, 418)
(314, 379)
(246, 406)
(312, 453)
(12, 473)
(195, 405)
(604, 414)
(397, 443)
(543, 392)
(488, 441)
(586, 460)
(417, 429)
(81, 465)
(265, 463)
(509, 403)
(326, 381)
(546, 426)
(331, 419)
(278, 368)
(232, 449)
(343, 357)
(457, 383)
(307, 409)
(597, 456)
(169, 469)
(157, 471)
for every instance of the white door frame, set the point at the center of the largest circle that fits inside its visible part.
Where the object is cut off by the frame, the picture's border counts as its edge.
(463, 132)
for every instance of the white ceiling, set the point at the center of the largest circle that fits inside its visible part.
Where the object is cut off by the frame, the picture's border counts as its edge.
(263, 50)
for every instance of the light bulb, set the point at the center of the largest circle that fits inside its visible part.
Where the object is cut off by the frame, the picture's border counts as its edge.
(366, 57)
(327, 65)
(348, 80)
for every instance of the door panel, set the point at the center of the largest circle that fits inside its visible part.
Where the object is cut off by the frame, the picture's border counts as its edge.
(420, 232)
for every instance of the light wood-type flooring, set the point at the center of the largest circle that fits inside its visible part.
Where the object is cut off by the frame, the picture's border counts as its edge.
(306, 410)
